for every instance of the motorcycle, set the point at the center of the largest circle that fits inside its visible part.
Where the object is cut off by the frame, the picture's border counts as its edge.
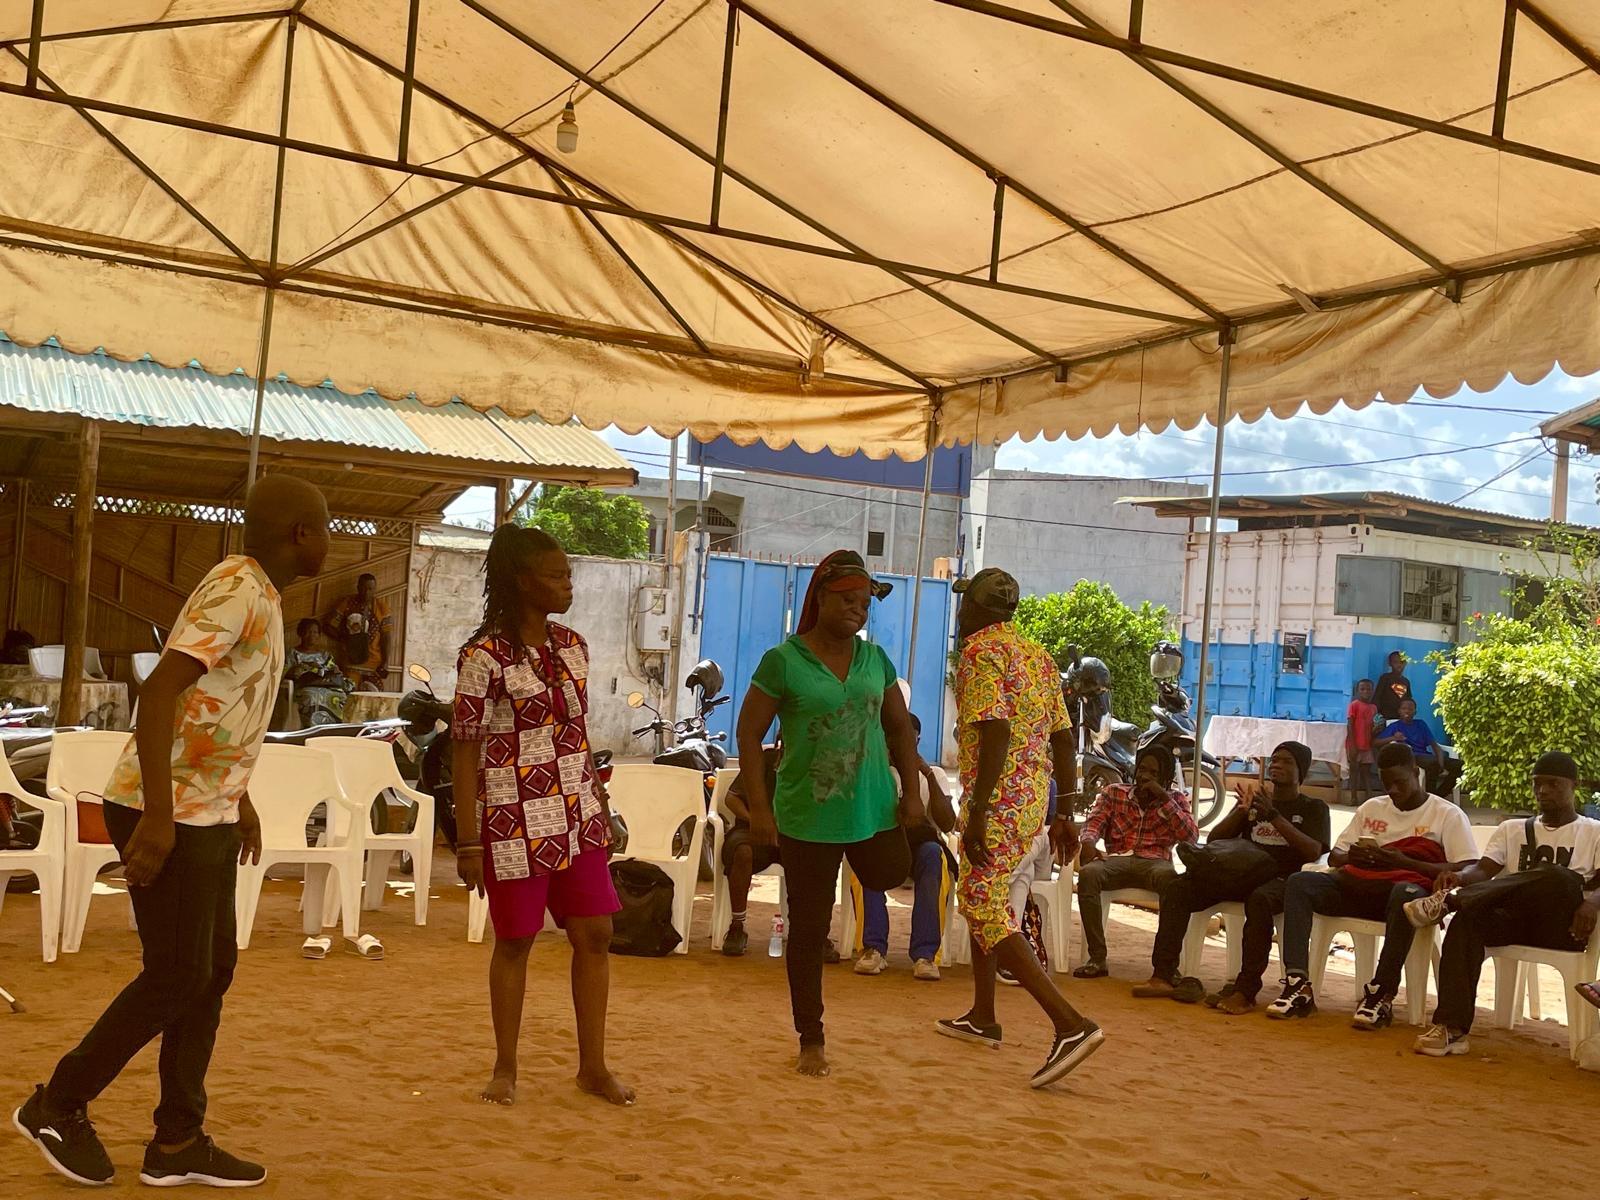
(689, 744)
(1108, 748)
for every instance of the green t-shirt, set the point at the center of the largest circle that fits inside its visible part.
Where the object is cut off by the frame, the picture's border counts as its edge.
(835, 784)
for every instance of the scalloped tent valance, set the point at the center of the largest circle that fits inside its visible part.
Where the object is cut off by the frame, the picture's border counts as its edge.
(812, 221)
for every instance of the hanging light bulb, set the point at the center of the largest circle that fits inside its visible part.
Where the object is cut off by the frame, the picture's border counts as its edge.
(567, 131)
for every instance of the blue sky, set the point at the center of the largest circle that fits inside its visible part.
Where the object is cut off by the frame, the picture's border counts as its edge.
(1316, 446)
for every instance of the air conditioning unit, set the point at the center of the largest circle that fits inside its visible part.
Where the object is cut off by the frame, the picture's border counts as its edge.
(652, 622)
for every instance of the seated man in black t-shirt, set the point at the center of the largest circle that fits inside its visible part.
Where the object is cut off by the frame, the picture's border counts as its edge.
(742, 858)
(1294, 829)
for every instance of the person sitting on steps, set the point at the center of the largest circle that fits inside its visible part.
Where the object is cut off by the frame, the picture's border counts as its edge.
(1537, 884)
(1392, 851)
(1294, 830)
(1141, 823)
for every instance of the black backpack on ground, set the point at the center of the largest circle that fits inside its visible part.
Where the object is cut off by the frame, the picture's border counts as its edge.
(643, 925)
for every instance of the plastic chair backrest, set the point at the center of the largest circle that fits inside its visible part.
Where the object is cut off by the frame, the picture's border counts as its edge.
(92, 667)
(9, 784)
(654, 801)
(290, 781)
(719, 795)
(144, 661)
(1482, 833)
(82, 762)
(365, 768)
(47, 662)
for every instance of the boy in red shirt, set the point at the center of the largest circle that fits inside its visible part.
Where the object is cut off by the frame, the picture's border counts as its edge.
(1360, 716)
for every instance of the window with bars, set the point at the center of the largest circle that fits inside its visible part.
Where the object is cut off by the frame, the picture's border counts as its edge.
(1394, 587)
(875, 544)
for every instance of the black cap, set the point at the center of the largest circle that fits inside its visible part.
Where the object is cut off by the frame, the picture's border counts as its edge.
(1558, 764)
(1302, 756)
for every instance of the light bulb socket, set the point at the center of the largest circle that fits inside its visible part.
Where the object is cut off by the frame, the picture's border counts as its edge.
(567, 130)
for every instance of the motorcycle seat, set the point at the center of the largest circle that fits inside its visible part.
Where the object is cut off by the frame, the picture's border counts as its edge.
(1123, 731)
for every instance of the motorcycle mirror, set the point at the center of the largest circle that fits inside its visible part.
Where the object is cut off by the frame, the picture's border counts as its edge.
(635, 699)
(420, 673)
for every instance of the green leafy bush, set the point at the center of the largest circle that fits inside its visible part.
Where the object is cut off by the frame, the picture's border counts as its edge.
(586, 521)
(1530, 683)
(1093, 619)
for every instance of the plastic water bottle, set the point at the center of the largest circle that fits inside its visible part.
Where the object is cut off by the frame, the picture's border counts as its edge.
(775, 942)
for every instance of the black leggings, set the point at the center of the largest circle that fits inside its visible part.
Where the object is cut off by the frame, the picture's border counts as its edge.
(811, 873)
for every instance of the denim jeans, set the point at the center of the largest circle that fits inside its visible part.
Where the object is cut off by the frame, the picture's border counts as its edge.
(1313, 892)
(928, 877)
(1109, 875)
(186, 928)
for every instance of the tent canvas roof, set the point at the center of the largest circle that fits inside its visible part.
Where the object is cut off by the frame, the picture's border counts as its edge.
(813, 220)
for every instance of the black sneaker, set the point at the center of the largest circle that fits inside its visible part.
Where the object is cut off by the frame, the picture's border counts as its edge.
(201, 1161)
(830, 954)
(1296, 1000)
(1376, 1011)
(967, 1030)
(1066, 1052)
(68, 1143)
(736, 943)
(1006, 977)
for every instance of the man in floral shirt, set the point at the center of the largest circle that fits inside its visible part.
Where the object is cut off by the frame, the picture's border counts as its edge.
(1013, 731)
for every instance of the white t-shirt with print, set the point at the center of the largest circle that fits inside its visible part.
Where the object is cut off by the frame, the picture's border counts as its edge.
(1436, 818)
(232, 625)
(1575, 845)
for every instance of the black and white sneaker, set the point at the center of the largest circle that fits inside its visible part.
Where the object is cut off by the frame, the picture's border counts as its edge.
(1376, 1011)
(1296, 1000)
(201, 1161)
(68, 1143)
(1068, 1050)
(965, 1029)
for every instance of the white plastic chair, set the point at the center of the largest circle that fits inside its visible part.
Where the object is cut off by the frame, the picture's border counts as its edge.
(718, 823)
(144, 662)
(288, 783)
(1233, 918)
(1516, 984)
(1424, 957)
(47, 862)
(47, 662)
(367, 773)
(1054, 897)
(653, 801)
(80, 767)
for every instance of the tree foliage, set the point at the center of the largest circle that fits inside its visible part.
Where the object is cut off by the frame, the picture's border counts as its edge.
(1092, 618)
(586, 521)
(1529, 683)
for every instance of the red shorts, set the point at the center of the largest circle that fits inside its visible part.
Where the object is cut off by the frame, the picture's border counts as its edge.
(584, 889)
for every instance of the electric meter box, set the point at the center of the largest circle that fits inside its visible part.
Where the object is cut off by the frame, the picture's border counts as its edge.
(652, 623)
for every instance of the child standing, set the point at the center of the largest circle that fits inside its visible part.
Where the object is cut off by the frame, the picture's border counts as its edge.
(1360, 718)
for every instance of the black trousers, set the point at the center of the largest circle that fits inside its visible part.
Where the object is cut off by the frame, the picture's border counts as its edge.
(1180, 899)
(186, 928)
(811, 873)
(1529, 908)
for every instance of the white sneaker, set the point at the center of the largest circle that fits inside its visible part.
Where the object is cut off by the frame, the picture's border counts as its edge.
(1427, 910)
(871, 963)
(926, 968)
(1438, 1041)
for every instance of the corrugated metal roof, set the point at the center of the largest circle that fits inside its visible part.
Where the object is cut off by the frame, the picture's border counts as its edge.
(45, 379)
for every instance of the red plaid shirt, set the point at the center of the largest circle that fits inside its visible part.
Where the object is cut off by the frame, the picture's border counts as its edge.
(1128, 827)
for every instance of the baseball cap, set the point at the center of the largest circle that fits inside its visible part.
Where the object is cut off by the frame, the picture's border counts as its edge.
(990, 588)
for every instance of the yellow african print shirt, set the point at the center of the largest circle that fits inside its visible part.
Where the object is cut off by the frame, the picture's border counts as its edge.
(233, 626)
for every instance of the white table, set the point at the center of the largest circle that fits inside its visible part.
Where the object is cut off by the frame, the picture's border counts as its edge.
(1255, 738)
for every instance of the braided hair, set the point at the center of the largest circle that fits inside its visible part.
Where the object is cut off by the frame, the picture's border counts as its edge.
(512, 550)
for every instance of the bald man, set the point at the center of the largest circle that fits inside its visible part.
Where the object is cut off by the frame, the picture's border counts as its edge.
(178, 813)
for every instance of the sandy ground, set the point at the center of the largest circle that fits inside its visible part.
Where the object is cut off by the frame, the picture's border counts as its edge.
(357, 1079)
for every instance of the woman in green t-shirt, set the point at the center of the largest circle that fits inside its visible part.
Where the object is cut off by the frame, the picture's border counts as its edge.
(842, 721)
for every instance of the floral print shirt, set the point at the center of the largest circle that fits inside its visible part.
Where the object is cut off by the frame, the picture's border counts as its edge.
(233, 627)
(1002, 675)
(539, 807)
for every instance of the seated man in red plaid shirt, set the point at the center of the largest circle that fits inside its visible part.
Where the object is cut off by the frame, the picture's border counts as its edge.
(1140, 824)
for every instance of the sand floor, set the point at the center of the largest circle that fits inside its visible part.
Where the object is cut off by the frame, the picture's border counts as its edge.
(357, 1079)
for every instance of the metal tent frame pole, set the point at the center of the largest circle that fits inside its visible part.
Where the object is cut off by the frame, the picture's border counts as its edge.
(669, 545)
(922, 543)
(267, 305)
(1211, 562)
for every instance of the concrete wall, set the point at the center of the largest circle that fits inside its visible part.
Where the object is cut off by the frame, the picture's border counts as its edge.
(1050, 531)
(446, 605)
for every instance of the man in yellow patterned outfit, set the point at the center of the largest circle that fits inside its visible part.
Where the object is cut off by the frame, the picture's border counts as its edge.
(1012, 726)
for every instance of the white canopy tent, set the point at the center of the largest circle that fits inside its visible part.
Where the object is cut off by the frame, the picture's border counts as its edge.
(861, 226)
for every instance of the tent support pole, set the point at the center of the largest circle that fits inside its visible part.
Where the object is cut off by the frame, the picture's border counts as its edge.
(69, 709)
(922, 543)
(19, 544)
(669, 543)
(728, 41)
(270, 301)
(1211, 562)
(35, 32)
(409, 84)
(999, 218)
(1502, 86)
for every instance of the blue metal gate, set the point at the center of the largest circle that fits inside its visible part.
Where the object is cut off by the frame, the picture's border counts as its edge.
(751, 606)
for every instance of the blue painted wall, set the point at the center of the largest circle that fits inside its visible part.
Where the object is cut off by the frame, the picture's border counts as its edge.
(1247, 679)
(751, 606)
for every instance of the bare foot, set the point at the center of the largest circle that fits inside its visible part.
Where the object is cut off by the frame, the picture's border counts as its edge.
(813, 1062)
(607, 1086)
(502, 1088)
